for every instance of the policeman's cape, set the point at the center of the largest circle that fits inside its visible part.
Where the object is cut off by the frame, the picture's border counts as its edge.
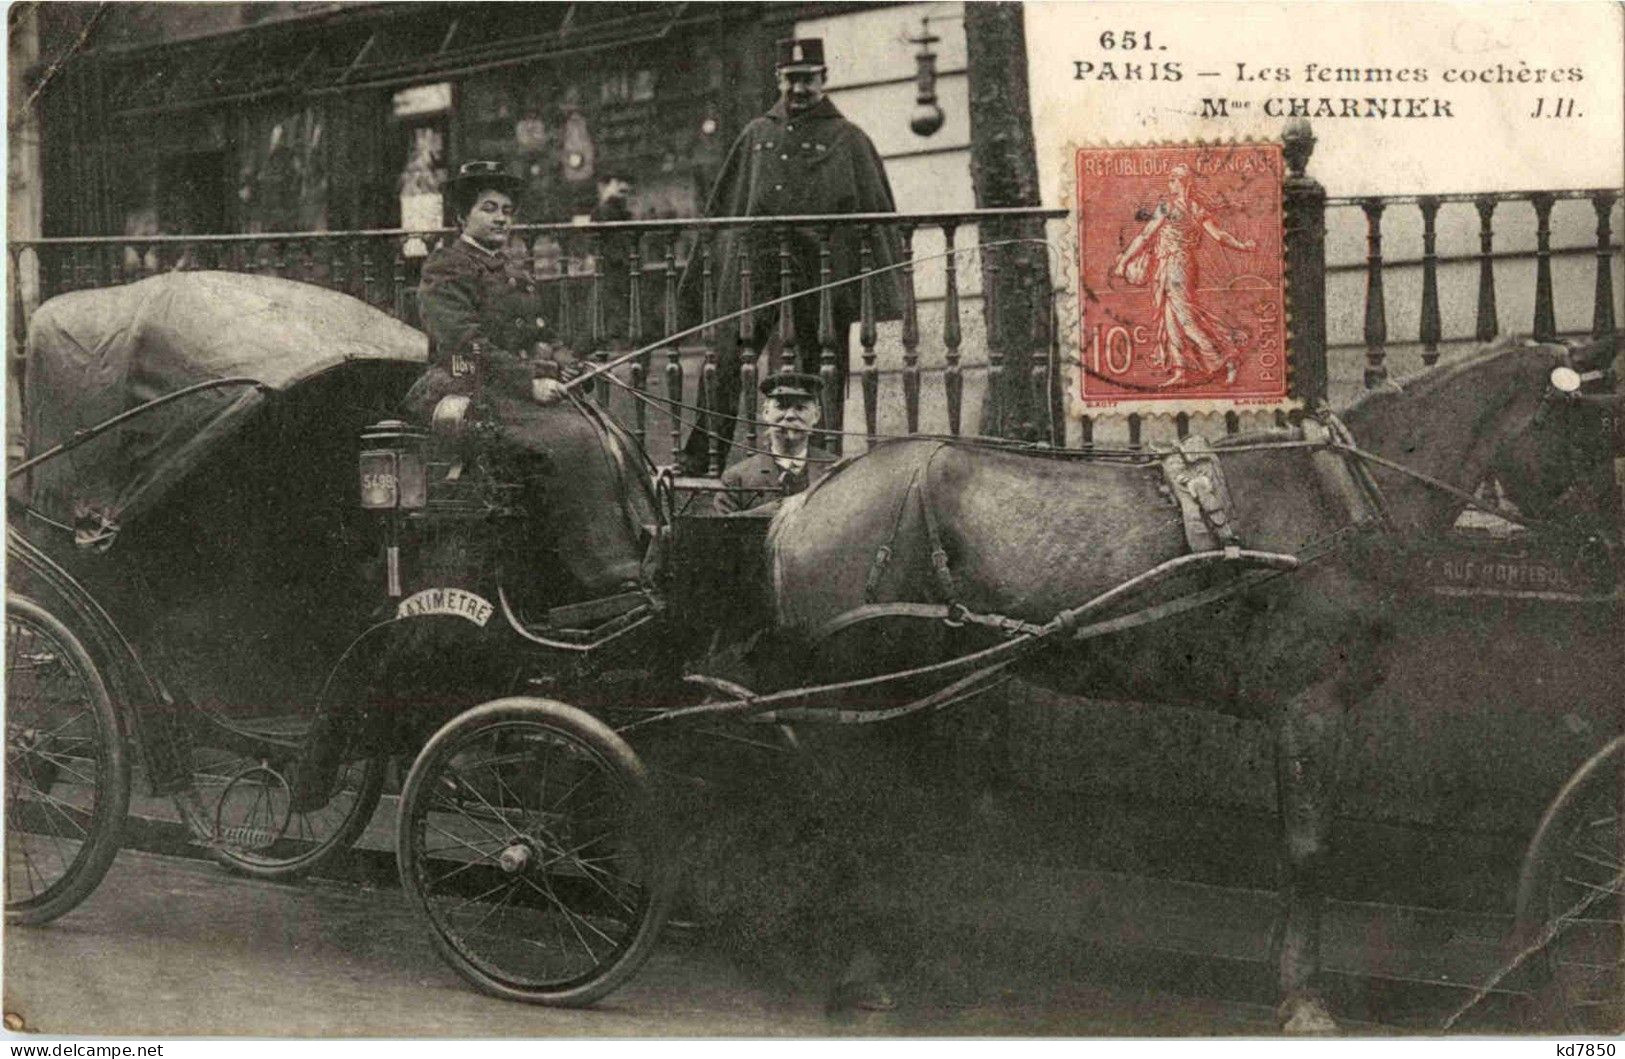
(94, 354)
(851, 179)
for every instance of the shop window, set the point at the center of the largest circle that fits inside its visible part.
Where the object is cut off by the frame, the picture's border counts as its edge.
(422, 114)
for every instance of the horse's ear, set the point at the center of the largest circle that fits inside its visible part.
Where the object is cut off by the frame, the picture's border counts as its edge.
(1599, 353)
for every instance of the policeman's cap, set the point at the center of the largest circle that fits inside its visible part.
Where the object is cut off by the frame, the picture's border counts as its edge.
(475, 177)
(799, 53)
(792, 384)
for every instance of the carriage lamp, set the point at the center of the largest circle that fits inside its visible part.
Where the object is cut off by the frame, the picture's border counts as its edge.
(392, 471)
(926, 117)
(392, 480)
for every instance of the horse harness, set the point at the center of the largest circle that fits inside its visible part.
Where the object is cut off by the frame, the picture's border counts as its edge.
(1194, 477)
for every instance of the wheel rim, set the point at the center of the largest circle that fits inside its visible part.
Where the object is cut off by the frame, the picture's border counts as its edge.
(56, 764)
(1584, 903)
(248, 814)
(531, 856)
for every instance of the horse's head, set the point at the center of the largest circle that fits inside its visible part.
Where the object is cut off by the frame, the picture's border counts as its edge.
(1558, 461)
(1500, 410)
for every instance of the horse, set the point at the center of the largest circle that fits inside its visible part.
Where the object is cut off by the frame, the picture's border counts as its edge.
(1026, 536)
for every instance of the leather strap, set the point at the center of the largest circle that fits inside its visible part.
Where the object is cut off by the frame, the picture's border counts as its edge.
(939, 555)
(883, 554)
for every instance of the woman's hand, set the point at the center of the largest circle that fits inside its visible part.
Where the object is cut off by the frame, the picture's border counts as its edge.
(546, 391)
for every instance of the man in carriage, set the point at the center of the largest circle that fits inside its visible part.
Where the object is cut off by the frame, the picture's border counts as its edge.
(787, 466)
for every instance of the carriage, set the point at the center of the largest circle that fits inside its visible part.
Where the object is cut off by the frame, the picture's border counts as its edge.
(234, 570)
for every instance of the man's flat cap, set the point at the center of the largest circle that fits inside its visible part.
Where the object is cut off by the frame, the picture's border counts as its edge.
(792, 384)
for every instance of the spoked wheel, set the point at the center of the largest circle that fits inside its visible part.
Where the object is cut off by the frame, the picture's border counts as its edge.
(240, 809)
(529, 843)
(67, 773)
(1572, 897)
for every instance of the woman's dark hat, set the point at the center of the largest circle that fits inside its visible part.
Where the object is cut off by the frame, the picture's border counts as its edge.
(799, 53)
(792, 384)
(475, 177)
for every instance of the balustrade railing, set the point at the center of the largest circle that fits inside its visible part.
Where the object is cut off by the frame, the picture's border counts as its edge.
(613, 287)
(1543, 324)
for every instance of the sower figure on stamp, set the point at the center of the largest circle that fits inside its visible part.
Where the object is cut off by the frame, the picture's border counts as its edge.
(1189, 336)
(801, 157)
(790, 409)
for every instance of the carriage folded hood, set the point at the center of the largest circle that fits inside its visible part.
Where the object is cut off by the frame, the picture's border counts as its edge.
(93, 354)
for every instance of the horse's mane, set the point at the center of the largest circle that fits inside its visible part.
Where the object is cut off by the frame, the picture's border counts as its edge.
(1428, 379)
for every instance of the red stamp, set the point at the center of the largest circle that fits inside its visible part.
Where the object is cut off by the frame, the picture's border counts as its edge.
(1180, 276)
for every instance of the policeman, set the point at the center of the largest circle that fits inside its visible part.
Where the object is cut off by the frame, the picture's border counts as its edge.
(790, 408)
(479, 306)
(801, 157)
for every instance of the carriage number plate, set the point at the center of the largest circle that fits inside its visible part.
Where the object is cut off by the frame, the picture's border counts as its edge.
(456, 602)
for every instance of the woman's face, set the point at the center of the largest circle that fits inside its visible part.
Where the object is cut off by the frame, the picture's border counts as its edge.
(488, 219)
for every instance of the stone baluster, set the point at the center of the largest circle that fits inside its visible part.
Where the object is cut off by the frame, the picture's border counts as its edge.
(787, 315)
(1602, 318)
(1376, 309)
(1545, 314)
(1489, 324)
(867, 334)
(1430, 326)
(911, 335)
(828, 374)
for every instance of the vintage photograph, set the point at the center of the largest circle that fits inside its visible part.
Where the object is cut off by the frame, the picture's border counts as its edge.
(814, 519)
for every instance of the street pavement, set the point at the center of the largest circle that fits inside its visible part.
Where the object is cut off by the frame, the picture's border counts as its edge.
(169, 947)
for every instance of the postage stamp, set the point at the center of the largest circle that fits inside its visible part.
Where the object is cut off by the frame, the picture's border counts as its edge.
(1180, 277)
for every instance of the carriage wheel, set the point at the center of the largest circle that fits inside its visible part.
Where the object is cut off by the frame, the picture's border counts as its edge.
(67, 773)
(1572, 892)
(239, 809)
(529, 843)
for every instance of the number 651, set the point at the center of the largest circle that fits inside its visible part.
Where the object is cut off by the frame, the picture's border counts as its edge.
(1127, 40)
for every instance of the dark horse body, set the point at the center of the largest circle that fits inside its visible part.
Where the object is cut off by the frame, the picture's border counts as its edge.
(1030, 536)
